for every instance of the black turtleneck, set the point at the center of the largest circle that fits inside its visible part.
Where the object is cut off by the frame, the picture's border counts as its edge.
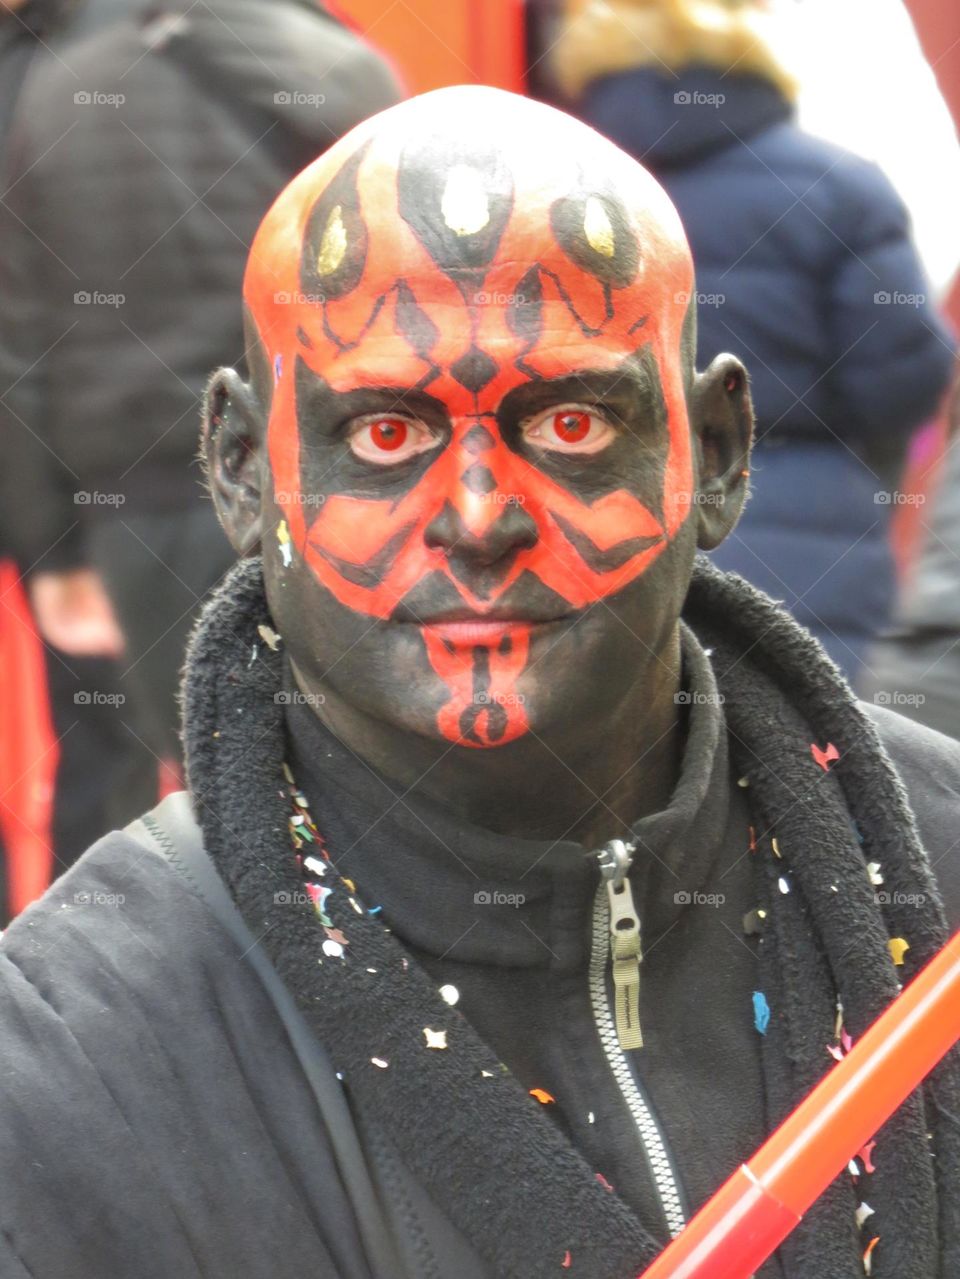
(508, 923)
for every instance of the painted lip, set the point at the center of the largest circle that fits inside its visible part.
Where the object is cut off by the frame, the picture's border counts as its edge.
(466, 628)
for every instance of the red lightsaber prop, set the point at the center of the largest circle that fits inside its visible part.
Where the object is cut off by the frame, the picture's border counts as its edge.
(752, 1214)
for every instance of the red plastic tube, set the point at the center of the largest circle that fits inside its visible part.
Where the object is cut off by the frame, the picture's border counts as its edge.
(751, 1215)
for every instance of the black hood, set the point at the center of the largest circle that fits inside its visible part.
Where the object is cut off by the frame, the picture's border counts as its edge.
(667, 120)
(270, 64)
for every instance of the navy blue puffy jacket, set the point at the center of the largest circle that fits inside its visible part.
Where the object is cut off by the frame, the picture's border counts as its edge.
(806, 270)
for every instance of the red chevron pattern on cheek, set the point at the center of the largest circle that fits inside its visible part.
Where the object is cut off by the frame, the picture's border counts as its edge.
(370, 553)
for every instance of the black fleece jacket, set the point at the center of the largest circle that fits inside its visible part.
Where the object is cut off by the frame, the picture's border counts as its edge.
(157, 1118)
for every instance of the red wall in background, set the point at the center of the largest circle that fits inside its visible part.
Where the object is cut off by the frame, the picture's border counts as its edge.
(938, 26)
(433, 43)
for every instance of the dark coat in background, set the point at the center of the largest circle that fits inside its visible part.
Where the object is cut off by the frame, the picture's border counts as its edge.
(806, 270)
(120, 280)
(41, 25)
(915, 668)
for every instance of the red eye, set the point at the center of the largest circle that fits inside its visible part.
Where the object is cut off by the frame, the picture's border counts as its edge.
(388, 441)
(389, 433)
(572, 428)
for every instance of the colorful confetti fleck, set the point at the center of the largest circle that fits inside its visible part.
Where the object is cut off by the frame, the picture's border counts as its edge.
(761, 1011)
(868, 1256)
(863, 1212)
(824, 757)
(898, 947)
(541, 1094)
(270, 638)
(866, 1154)
(283, 538)
(567, 1261)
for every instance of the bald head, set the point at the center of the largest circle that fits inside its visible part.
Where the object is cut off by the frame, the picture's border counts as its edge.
(476, 199)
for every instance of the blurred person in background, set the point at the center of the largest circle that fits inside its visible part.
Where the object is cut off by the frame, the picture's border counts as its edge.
(141, 158)
(93, 760)
(805, 266)
(915, 667)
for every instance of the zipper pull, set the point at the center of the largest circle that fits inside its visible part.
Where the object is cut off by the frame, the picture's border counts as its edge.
(616, 858)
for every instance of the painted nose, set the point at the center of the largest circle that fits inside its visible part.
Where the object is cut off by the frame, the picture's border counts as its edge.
(481, 561)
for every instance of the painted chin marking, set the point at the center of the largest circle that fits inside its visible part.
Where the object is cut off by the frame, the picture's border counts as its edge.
(484, 707)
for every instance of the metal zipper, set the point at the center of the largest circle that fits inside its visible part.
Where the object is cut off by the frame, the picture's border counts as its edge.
(615, 860)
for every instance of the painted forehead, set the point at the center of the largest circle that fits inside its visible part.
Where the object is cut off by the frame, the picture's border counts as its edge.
(538, 253)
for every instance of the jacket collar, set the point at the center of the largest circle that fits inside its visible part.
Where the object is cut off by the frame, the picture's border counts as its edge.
(498, 899)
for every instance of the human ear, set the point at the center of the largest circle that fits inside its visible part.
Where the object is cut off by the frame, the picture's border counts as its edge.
(721, 421)
(233, 438)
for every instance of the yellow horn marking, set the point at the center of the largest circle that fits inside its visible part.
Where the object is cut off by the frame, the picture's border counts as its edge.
(597, 227)
(333, 246)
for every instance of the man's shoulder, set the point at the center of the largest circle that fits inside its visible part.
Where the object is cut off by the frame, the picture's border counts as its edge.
(928, 763)
(142, 1061)
(120, 928)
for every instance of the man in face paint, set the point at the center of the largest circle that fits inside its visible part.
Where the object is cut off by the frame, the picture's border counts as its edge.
(477, 458)
(508, 908)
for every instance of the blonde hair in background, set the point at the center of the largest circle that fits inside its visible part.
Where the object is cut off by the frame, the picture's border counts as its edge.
(601, 37)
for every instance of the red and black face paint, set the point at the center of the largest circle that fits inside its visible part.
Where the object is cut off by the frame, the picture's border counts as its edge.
(478, 417)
